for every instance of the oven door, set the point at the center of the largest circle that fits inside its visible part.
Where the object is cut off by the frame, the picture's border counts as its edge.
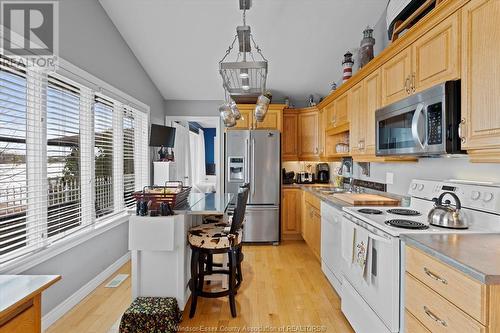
(378, 284)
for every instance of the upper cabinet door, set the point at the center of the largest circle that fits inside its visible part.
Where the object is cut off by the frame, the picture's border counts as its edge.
(289, 138)
(341, 111)
(357, 116)
(271, 121)
(481, 76)
(245, 122)
(373, 100)
(436, 55)
(396, 77)
(308, 134)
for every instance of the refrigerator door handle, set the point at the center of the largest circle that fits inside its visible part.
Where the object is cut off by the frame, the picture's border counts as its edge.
(253, 168)
(247, 163)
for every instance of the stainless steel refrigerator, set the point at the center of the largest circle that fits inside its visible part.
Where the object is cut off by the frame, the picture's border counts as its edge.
(253, 156)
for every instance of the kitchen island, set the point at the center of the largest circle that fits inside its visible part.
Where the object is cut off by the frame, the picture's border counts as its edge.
(160, 252)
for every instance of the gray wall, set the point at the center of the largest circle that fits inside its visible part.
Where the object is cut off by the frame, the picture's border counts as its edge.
(81, 264)
(89, 40)
(192, 108)
(431, 168)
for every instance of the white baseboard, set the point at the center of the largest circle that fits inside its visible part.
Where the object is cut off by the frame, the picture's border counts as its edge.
(81, 293)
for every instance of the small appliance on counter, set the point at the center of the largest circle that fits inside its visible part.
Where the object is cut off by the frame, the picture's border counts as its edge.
(305, 178)
(322, 173)
(288, 177)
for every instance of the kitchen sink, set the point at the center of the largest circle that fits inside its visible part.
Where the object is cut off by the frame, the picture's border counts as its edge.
(332, 191)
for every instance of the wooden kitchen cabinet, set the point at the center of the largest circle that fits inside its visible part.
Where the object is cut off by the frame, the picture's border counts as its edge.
(480, 125)
(21, 301)
(373, 101)
(311, 222)
(337, 115)
(396, 77)
(358, 118)
(440, 298)
(291, 213)
(308, 134)
(273, 119)
(289, 136)
(245, 122)
(436, 55)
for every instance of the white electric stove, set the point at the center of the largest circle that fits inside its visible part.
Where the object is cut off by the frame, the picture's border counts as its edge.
(371, 292)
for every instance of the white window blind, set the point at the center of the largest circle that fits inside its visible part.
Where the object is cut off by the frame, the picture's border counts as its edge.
(13, 155)
(68, 158)
(128, 157)
(103, 157)
(63, 158)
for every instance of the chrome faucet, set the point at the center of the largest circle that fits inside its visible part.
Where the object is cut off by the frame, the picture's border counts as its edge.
(347, 162)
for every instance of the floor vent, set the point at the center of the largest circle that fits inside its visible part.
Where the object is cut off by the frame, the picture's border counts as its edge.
(117, 280)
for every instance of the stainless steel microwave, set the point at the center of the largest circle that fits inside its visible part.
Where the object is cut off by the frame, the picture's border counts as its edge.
(422, 124)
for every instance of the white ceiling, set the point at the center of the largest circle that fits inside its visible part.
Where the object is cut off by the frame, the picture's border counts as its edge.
(180, 42)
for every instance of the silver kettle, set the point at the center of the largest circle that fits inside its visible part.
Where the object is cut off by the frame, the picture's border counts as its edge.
(445, 215)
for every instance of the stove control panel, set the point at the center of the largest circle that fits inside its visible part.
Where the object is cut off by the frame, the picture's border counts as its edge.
(481, 197)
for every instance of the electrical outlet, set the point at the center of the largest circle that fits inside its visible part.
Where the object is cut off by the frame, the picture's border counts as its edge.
(389, 178)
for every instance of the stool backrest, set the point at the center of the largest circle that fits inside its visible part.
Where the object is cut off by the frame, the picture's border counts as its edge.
(239, 211)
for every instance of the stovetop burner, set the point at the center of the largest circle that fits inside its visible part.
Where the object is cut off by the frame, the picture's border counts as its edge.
(370, 211)
(403, 211)
(406, 224)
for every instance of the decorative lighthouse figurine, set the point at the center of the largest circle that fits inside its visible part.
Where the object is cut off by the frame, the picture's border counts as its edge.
(366, 50)
(347, 65)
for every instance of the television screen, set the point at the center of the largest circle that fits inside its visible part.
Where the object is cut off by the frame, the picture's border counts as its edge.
(162, 136)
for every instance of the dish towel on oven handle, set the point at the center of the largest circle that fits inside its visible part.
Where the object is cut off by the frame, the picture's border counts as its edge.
(361, 249)
(347, 242)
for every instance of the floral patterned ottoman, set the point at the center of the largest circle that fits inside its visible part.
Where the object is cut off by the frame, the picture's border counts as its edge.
(151, 315)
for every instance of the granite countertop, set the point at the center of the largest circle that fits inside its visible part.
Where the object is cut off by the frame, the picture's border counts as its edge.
(476, 255)
(18, 288)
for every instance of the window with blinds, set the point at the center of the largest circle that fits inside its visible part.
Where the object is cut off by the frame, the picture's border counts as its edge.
(103, 157)
(128, 158)
(63, 158)
(13, 158)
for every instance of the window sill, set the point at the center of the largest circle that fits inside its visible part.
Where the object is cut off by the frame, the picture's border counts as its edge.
(24, 263)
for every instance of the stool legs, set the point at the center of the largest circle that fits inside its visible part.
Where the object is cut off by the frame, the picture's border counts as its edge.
(195, 258)
(233, 262)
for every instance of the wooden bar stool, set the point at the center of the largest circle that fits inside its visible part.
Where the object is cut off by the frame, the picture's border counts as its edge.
(217, 238)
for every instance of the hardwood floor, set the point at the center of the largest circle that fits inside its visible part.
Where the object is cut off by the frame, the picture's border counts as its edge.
(283, 286)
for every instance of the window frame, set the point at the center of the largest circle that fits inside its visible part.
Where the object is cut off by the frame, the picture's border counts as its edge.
(89, 86)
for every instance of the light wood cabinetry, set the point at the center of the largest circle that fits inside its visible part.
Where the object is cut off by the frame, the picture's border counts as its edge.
(308, 134)
(291, 213)
(439, 298)
(20, 302)
(273, 119)
(373, 101)
(311, 222)
(396, 77)
(337, 115)
(290, 136)
(246, 120)
(358, 118)
(436, 55)
(481, 80)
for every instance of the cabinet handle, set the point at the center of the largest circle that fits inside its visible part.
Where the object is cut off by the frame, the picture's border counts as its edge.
(413, 82)
(434, 317)
(407, 85)
(461, 131)
(316, 150)
(434, 276)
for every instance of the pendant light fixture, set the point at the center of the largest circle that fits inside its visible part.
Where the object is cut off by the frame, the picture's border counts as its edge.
(244, 78)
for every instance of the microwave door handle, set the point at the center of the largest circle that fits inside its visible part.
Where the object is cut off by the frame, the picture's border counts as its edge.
(414, 125)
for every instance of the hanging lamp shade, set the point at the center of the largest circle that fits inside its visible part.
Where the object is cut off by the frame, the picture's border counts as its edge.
(244, 78)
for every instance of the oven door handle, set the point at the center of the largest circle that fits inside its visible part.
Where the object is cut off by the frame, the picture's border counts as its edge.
(415, 126)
